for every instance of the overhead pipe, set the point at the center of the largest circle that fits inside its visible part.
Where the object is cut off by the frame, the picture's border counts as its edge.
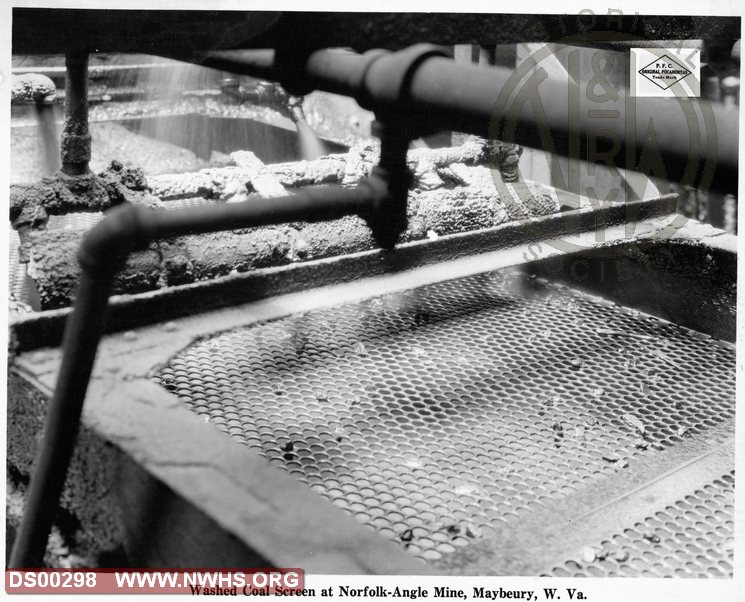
(697, 139)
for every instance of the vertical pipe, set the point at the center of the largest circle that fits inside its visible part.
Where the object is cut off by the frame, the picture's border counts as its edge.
(76, 139)
(82, 334)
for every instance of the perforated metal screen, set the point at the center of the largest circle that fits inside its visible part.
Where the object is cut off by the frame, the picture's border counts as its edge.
(435, 415)
(692, 538)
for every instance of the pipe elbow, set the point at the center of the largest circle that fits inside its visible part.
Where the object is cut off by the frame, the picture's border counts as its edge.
(126, 228)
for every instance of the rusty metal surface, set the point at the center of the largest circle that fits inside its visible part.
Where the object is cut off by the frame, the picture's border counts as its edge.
(694, 537)
(442, 416)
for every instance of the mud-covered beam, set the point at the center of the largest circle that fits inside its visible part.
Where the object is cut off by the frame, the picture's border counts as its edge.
(347, 169)
(472, 205)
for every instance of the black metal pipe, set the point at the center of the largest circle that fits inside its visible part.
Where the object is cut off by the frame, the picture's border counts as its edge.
(83, 331)
(696, 140)
(102, 254)
(76, 138)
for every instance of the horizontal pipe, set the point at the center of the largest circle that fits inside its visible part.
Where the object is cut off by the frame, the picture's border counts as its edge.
(102, 254)
(310, 205)
(696, 140)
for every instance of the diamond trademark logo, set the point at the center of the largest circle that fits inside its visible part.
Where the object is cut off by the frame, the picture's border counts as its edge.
(664, 72)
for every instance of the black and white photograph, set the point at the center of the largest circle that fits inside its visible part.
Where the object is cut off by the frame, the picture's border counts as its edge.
(370, 301)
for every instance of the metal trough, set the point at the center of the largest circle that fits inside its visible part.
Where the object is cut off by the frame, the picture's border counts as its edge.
(448, 413)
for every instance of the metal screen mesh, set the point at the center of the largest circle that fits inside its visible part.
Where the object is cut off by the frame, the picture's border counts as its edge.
(692, 538)
(433, 415)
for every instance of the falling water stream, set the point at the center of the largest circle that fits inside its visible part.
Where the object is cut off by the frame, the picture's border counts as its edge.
(150, 117)
(45, 116)
(171, 82)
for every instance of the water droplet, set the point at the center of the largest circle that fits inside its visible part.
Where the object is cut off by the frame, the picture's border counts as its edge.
(413, 463)
(576, 363)
(598, 392)
(407, 535)
(130, 335)
(170, 327)
(621, 556)
(168, 382)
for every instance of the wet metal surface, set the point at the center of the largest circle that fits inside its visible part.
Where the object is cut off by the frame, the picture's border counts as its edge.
(437, 415)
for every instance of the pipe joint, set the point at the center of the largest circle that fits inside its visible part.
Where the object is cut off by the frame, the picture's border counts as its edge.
(386, 84)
